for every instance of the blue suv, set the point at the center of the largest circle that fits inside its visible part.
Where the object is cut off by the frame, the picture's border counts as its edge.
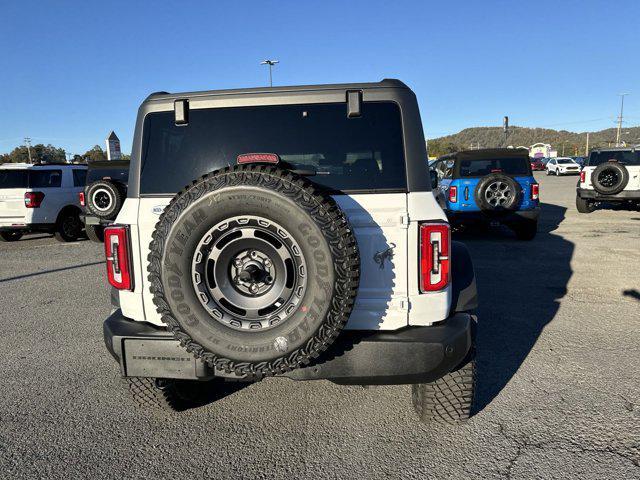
(492, 186)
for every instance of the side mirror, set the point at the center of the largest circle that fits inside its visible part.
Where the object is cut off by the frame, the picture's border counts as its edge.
(434, 178)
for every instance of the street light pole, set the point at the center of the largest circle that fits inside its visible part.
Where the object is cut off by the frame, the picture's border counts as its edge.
(622, 95)
(271, 63)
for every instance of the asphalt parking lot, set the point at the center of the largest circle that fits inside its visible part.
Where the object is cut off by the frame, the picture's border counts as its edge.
(559, 383)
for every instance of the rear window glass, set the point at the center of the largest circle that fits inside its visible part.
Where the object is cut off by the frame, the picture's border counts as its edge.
(565, 162)
(625, 157)
(14, 179)
(120, 174)
(30, 178)
(508, 166)
(351, 154)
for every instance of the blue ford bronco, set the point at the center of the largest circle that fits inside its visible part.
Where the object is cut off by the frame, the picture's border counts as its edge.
(490, 186)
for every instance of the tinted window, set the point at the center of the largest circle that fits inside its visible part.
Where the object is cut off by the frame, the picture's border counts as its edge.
(79, 178)
(625, 157)
(508, 166)
(346, 153)
(565, 162)
(121, 174)
(14, 178)
(45, 178)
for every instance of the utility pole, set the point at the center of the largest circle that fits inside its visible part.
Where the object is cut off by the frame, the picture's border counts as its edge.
(622, 95)
(27, 141)
(586, 150)
(271, 63)
(505, 127)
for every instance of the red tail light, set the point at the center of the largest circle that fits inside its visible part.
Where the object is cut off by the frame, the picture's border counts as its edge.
(535, 191)
(453, 194)
(33, 199)
(117, 251)
(81, 198)
(583, 176)
(435, 261)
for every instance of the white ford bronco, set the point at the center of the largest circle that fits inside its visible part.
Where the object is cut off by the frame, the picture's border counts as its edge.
(288, 231)
(41, 198)
(610, 175)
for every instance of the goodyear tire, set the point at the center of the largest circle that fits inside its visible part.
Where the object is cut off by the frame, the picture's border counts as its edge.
(450, 399)
(95, 233)
(254, 270)
(104, 199)
(610, 178)
(497, 192)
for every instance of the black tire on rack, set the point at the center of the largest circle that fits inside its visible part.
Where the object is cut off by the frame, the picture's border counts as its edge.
(104, 199)
(254, 269)
(610, 178)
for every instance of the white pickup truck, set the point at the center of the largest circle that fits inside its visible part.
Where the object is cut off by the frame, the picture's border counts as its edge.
(41, 198)
(288, 231)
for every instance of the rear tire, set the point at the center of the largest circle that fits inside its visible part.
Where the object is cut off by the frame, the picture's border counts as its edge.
(584, 206)
(10, 236)
(95, 233)
(526, 230)
(68, 227)
(448, 400)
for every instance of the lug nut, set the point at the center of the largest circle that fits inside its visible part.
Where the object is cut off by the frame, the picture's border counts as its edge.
(268, 279)
(238, 262)
(253, 288)
(254, 254)
(267, 262)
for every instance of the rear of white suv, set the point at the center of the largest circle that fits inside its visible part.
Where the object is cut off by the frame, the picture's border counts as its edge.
(40, 198)
(356, 152)
(609, 175)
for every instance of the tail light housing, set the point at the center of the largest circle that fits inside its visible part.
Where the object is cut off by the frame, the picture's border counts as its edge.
(535, 191)
(33, 199)
(117, 249)
(435, 260)
(82, 200)
(453, 194)
(583, 176)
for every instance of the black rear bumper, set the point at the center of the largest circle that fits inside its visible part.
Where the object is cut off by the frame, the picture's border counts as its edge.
(623, 196)
(409, 355)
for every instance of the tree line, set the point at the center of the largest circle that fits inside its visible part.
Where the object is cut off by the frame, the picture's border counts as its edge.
(573, 144)
(41, 153)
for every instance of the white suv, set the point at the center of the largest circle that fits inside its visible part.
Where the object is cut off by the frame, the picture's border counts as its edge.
(609, 175)
(562, 166)
(288, 231)
(40, 198)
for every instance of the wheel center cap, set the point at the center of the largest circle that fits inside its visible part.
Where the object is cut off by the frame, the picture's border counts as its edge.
(252, 272)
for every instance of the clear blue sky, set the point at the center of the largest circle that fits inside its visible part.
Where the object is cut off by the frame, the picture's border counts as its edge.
(72, 71)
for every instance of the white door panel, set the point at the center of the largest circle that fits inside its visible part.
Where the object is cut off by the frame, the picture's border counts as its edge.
(379, 223)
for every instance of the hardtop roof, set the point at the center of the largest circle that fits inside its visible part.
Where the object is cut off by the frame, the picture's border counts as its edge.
(386, 83)
(488, 153)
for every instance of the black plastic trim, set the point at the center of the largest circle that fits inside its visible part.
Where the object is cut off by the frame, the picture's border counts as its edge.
(622, 196)
(409, 355)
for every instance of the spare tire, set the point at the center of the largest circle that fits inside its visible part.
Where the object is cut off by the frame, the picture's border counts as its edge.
(610, 178)
(104, 199)
(498, 192)
(254, 270)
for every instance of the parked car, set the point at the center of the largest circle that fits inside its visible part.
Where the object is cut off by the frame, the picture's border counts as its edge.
(562, 166)
(610, 175)
(537, 164)
(103, 196)
(491, 186)
(235, 264)
(40, 198)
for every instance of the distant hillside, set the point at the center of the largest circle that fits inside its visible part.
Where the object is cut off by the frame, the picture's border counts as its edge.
(488, 137)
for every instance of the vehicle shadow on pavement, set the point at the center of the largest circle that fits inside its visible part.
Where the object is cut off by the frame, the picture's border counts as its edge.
(520, 285)
(53, 270)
